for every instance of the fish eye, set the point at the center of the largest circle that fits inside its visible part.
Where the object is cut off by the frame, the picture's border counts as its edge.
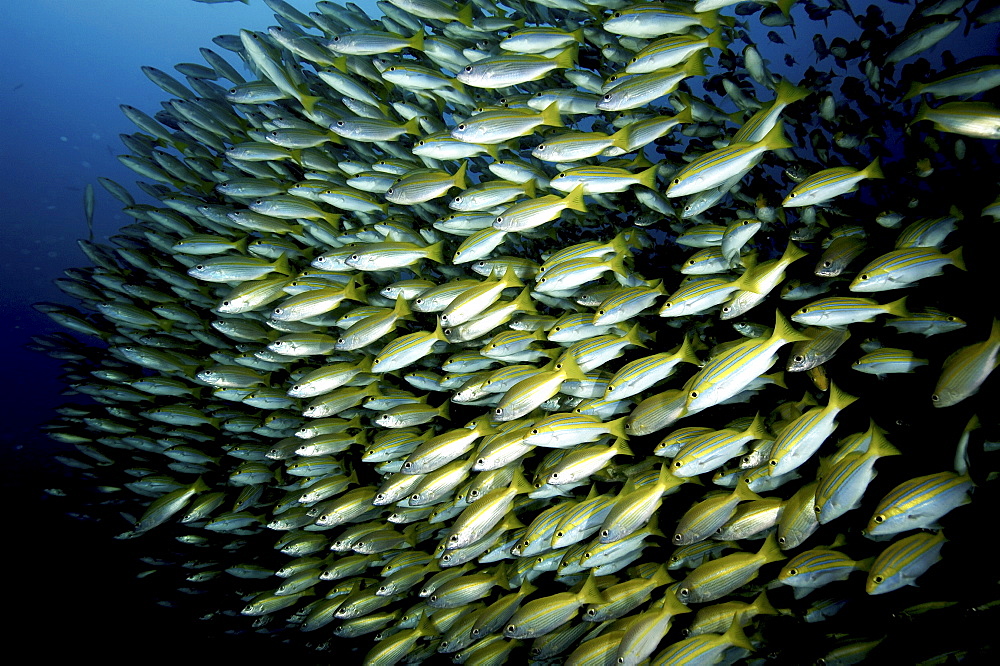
(499, 219)
(605, 533)
(684, 592)
(498, 411)
(607, 98)
(799, 358)
(200, 267)
(878, 579)
(676, 180)
(462, 126)
(511, 628)
(376, 361)
(726, 308)
(772, 462)
(481, 461)
(879, 519)
(793, 195)
(693, 394)
(782, 540)
(864, 276)
(677, 538)
(340, 123)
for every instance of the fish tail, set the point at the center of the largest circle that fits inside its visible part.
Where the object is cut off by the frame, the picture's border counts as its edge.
(770, 551)
(567, 58)
(956, 258)
(874, 170)
(763, 605)
(647, 177)
(776, 139)
(714, 40)
(590, 593)
(695, 65)
(784, 330)
(915, 88)
(757, 429)
(412, 126)
(570, 367)
(281, 265)
(574, 200)
(524, 301)
(897, 308)
(551, 117)
(621, 446)
(435, 252)
(788, 93)
(417, 41)
(520, 484)
(459, 177)
(464, 16)
(838, 398)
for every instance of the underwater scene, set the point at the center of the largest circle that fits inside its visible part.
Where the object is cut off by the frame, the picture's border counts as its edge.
(527, 331)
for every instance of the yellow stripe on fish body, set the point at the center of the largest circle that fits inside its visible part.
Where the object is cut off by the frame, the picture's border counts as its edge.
(888, 360)
(638, 90)
(480, 517)
(425, 185)
(563, 431)
(575, 272)
(595, 352)
(540, 39)
(602, 179)
(475, 300)
(542, 616)
(844, 480)
(406, 350)
(918, 503)
(374, 42)
(490, 194)
(975, 119)
(966, 369)
(712, 450)
(717, 578)
(901, 268)
(844, 310)
(764, 120)
(643, 132)
(574, 146)
(372, 130)
(904, 561)
(649, 21)
(536, 212)
(643, 373)
(717, 166)
(830, 183)
(505, 70)
(798, 440)
(644, 634)
(501, 125)
(671, 51)
(627, 303)
(529, 393)
(728, 374)
(706, 517)
(704, 648)
(818, 567)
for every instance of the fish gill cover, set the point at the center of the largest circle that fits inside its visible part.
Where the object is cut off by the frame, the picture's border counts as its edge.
(547, 331)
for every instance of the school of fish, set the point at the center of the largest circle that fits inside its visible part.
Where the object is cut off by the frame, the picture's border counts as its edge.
(522, 331)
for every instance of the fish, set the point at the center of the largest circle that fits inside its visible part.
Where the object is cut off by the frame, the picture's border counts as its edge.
(391, 311)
